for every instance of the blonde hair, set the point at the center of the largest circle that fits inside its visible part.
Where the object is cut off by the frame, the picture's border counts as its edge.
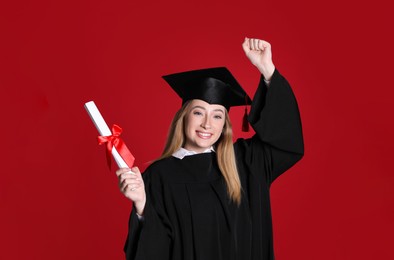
(224, 150)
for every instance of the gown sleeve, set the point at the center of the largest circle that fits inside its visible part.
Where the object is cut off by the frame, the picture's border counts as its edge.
(149, 238)
(278, 142)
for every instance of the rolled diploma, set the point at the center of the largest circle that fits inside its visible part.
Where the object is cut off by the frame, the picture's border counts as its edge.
(104, 130)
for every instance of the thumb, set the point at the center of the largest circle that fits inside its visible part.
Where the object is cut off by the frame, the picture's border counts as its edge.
(246, 46)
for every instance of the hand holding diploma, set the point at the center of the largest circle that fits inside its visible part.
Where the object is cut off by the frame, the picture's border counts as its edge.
(131, 183)
(132, 186)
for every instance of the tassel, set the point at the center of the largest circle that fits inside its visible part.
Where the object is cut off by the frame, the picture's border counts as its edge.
(245, 123)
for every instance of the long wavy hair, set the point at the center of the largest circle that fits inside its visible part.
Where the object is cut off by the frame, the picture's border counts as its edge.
(224, 149)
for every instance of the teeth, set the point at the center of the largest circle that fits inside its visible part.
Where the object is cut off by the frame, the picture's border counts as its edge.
(204, 134)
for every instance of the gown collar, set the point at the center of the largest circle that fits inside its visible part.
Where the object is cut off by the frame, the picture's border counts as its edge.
(182, 152)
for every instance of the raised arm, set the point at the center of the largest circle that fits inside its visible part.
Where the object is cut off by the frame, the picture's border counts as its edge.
(274, 115)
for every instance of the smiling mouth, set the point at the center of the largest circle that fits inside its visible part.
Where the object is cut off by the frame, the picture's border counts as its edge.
(204, 135)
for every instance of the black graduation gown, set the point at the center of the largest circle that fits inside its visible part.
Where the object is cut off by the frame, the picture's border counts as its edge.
(188, 215)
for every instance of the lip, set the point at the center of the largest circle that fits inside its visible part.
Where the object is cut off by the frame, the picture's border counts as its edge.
(204, 135)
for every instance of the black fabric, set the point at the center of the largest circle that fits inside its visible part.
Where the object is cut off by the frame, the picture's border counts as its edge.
(213, 85)
(188, 215)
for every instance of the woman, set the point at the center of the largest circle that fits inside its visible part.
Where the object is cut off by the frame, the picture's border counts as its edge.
(207, 198)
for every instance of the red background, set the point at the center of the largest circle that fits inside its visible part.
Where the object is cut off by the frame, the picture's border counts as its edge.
(59, 201)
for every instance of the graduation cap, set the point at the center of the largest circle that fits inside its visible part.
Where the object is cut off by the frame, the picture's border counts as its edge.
(212, 85)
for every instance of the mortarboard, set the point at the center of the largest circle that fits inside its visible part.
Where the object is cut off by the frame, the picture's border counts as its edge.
(213, 85)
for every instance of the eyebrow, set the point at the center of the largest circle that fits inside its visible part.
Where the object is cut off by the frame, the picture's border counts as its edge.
(203, 108)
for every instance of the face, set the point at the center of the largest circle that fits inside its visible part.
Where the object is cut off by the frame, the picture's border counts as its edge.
(204, 125)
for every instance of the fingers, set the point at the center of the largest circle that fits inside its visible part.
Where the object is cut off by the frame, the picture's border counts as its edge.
(255, 45)
(129, 179)
(127, 176)
(136, 170)
(133, 170)
(130, 185)
(130, 182)
(121, 171)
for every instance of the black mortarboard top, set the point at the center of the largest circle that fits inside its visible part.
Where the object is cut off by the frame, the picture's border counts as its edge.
(213, 85)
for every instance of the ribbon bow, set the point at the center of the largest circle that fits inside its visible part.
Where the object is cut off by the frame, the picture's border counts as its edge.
(115, 140)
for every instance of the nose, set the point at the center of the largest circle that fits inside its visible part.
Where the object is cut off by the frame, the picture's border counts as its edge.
(206, 124)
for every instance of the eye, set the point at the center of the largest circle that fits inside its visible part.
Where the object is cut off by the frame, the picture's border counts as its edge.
(197, 113)
(217, 117)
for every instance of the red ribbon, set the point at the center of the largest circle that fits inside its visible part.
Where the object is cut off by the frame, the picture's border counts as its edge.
(115, 140)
